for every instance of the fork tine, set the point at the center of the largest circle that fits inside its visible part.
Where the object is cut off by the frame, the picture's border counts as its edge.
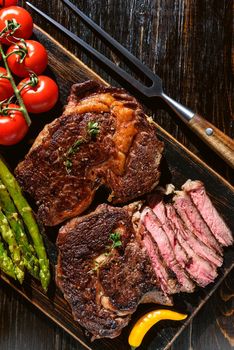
(110, 41)
(89, 49)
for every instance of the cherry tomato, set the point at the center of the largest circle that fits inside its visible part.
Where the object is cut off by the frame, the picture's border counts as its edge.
(13, 127)
(8, 3)
(40, 98)
(22, 17)
(35, 60)
(6, 90)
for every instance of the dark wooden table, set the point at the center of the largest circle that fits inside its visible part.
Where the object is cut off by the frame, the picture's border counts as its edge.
(188, 43)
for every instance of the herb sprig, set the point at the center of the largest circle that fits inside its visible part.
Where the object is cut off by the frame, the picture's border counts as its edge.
(92, 131)
(115, 237)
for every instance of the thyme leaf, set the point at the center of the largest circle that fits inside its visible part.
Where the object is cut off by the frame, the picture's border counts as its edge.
(116, 242)
(75, 147)
(71, 151)
(93, 129)
(116, 239)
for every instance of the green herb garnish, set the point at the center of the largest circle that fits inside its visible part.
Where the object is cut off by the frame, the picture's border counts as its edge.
(116, 242)
(71, 151)
(75, 147)
(116, 239)
(68, 165)
(93, 129)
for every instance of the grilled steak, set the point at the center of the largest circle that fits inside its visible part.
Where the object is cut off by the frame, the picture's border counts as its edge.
(104, 283)
(155, 228)
(115, 258)
(194, 221)
(102, 138)
(197, 192)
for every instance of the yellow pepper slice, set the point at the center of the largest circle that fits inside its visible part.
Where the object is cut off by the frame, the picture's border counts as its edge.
(143, 325)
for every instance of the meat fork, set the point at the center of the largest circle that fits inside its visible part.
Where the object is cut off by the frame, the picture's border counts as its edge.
(212, 136)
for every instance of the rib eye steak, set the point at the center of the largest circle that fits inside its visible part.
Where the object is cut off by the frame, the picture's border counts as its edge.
(103, 271)
(102, 138)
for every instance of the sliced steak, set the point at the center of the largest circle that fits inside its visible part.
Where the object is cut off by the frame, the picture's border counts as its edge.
(160, 211)
(154, 226)
(102, 284)
(102, 138)
(200, 269)
(193, 220)
(165, 276)
(195, 243)
(197, 192)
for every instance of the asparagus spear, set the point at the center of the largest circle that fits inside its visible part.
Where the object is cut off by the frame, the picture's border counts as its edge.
(27, 250)
(26, 212)
(6, 264)
(9, 238)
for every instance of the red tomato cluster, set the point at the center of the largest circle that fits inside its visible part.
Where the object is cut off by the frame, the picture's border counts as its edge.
(23, 58)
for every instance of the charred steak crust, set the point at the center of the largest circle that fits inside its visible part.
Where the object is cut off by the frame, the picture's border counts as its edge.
(102, 299)
(124, 151)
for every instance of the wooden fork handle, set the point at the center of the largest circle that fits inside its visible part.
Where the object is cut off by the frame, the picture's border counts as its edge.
(213, 137)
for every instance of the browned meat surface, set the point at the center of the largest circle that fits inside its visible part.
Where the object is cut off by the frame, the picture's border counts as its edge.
(104, 285)
(194, 221)
(197, 192)
(102, 138)
(154, 227)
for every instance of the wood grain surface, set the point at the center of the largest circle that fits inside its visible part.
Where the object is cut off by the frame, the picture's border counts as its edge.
(189, 44)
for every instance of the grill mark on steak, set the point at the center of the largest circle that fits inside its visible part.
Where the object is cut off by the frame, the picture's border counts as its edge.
(125, 150)
(154, 226)
(218, 227)
(193, 220)
(103, 299)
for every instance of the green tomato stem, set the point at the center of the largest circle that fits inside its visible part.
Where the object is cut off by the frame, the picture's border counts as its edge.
(16, 91)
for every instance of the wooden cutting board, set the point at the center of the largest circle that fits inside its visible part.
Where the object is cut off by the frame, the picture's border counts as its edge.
(178, 165)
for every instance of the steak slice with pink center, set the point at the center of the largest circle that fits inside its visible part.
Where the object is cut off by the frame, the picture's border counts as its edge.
(198, 269)
(154, 226)
(201, 270)
(196, 244)
(180, 254)
(193, 220)
(167, 279)
(197, 192)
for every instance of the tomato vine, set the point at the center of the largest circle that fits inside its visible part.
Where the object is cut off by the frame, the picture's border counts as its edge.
(8, 31)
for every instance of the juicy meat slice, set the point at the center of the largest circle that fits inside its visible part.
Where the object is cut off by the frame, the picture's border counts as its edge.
(195, 243)
(167, 279)
(197, 192)
(154, 226)
(102, 138)
(193, 220)
(104, 285)
(201, 271)
(159, 210)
